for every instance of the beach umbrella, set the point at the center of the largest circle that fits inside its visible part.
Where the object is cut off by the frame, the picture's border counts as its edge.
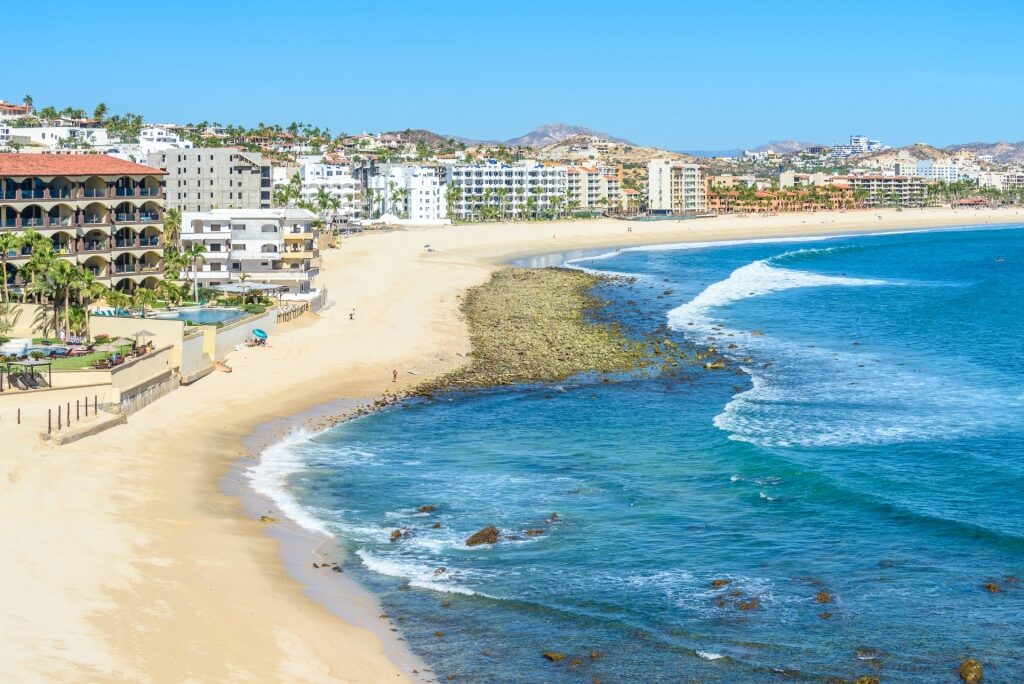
(122, 342)
(143, 333)
(259, 334)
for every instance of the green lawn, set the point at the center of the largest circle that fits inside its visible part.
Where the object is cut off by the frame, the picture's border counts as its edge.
(78, 362)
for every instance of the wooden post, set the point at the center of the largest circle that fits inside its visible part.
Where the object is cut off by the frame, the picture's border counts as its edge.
(59, 407)
(94, 410)
(68, 413)
(87, 407)
(77, 414)
(19, 416)
(49, 421)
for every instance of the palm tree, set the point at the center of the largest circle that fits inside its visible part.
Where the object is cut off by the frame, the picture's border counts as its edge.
(453, 195)
(27, 100)
(101, 111)
(242, 278)
(501, 193)
(144, 298)
(194, 256)
(172, 228)
(41, 260)
(9, 242)
(172, 292)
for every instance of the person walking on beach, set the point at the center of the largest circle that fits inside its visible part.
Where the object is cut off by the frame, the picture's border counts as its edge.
(352, 314)
(394, 375)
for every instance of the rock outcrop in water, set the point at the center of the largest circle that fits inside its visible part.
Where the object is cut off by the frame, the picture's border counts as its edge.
(537, 325)
(971, 671)
(488, 535)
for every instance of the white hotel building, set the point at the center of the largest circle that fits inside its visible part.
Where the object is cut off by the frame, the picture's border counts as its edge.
(509, 187)
(335, 179)
(675, 188)
(415, 194)
(271, 246)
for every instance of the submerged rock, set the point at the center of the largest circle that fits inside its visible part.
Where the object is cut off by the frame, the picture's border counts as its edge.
(426, 509)
(971, 671)
(488, 535)
(554, 656)
(823, 597)
(396, 535)
(869, 679)
(992, 588)
(534, 533)
(719, 583)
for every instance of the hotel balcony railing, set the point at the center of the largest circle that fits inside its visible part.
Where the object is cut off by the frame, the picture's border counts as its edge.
(9, 223)
(95, 246)
(138, 267)
(95, 218)
(95, 192)
(36, 221)
(149, 192)
(59, 220)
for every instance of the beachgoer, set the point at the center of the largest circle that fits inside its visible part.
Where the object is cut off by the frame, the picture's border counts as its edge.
(394, 375)
(352, 315)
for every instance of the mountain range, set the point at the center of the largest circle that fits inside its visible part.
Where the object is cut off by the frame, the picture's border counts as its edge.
(550, 134)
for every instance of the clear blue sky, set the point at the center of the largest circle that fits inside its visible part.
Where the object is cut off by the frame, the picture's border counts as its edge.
(679, 75)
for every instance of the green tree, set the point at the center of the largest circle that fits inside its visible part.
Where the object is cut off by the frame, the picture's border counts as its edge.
(101, 111)
(172, 228)
(9, 242)
(144, 299)
(194, 256)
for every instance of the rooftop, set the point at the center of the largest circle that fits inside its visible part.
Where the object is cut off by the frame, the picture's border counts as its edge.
(29, 164)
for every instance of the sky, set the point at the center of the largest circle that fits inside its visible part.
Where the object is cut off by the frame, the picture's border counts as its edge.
(678, 75)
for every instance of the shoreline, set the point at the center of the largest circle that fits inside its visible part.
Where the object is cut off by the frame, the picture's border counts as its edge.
(157, 554)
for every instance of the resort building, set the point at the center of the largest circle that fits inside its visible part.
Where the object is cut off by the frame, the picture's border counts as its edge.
(158, 138)
(270, 246)
(336, 179)
(591, 188)
(101, 213)
(523, 189)
(882, 191)
(202, 179)
(5, 138)
(675, 188)
(416, 194)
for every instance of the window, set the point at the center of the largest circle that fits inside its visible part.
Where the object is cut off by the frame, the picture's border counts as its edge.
(236, 266)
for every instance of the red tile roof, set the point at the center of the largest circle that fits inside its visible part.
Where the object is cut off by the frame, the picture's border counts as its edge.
(29, 164)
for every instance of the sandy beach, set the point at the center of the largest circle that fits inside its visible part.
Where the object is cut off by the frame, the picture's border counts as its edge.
(126, 559)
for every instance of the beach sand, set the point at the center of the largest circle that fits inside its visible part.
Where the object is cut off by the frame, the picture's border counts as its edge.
(126, 560)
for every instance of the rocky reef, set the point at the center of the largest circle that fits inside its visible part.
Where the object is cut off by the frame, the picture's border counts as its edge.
(541, 325)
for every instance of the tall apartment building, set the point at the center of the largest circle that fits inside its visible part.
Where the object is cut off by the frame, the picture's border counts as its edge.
(337, 180)
(675, 188)
(101, 213)
(410, 192)
(270, 246)
(594, 188)
(517, 190)
(206, 178)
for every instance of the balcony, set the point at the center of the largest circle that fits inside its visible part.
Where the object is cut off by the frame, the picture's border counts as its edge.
(95, 192)
(95, 246)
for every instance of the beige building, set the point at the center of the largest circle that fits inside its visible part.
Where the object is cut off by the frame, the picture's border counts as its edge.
(101, 213)
(675, 188)
(594, 188)
(205, 178)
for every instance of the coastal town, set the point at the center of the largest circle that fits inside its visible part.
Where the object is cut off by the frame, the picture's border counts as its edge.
(182, 298)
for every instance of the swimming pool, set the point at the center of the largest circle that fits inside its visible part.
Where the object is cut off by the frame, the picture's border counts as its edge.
(46, 351)
(202, 316)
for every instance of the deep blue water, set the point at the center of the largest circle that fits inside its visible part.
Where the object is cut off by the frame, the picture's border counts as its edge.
(872, 450)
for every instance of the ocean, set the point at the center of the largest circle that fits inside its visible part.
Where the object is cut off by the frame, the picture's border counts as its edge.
(846, 499)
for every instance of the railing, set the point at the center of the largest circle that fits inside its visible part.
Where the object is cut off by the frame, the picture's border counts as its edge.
(32, 222)
(149, 192)
(125, 217)
(95, 218)
(124, 192)
(149, 216)
(124, 268)
(94, 246)
(95, 192)
(149, 241)
(58, 220)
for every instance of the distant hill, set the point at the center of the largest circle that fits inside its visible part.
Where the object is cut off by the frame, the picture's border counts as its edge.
(1002, 152)
(784, 146)
(919, 151)
(550, 134)
(709, 154)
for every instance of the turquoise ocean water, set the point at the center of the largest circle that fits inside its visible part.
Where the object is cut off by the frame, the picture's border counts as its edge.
(873, 449)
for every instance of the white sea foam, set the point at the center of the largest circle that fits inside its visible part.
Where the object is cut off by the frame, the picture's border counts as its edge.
(269, 477)
(710, 655)
(418, 574)
(755, 279)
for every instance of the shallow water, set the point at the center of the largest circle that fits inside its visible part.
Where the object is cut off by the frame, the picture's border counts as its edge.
(871, 450)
